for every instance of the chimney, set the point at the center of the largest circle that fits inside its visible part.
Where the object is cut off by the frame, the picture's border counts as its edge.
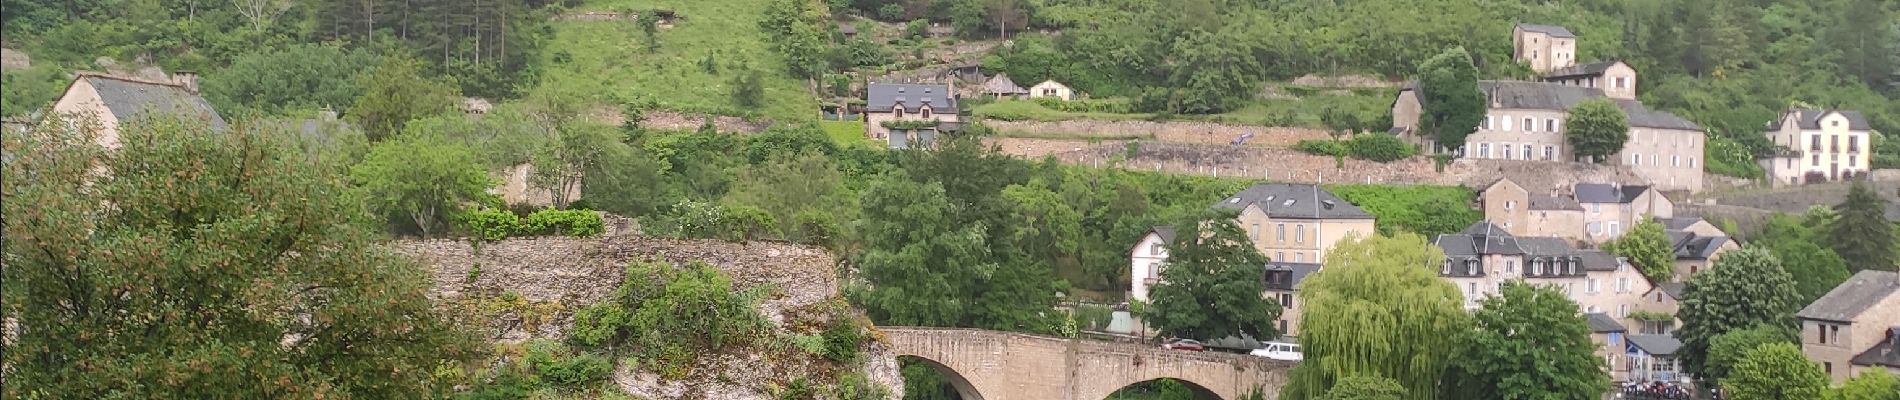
(187, 80)
(327, 114)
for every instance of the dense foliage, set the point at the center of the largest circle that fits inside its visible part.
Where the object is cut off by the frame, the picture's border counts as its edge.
(1211, 288)
(1364, 387)
(1448, 90)
(1529, 343)
(1862, 236)
(1649, 249)
(1730, 348)
(666, 314)
(1802, 245)
(204, 264)
(1428, 211)
(1596, 129)
(1378, 308)
(1776, 371)
(1746, 288)
(1368, 146)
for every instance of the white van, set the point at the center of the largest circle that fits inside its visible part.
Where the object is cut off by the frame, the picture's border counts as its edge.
(1280, 351)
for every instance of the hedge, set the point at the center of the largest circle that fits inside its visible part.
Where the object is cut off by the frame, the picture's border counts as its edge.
(492, 225)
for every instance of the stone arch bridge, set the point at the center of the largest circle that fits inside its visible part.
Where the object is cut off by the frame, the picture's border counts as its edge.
(992, 365)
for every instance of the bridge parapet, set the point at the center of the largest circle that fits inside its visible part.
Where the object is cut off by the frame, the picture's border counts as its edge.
(994, 365)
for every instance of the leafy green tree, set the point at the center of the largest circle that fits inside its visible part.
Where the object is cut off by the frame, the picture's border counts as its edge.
(24, 91)
(792, 184)
(925, 269)
(1448, 87)
(1363, 387)
(395, 93)
(301, 77)
(1728, 349)
(1816, 269)
(1530, 343)
(1596, 129)
(1649, 249)
(1872, 384)
(1378, 308)
(1862, 236)
(1776, 371)
(1211, 288)
(1745, 288)
(1213, 72)
(418, 183)
(204, 265)
(560, 165)
(748, 89)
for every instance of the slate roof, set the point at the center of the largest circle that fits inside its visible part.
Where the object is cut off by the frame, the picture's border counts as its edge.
(1690, 246)
(1554, 203)
(130, 100)
(1546, 247)
(1561, 97)
(884, 97)
(1659, 345)
(1001, 84)
(1602, 323)
(1299, 273)
(1591, 69)
(1166, 232)
(1481, 238)
(1848, 300)
(1597, 260)
(1677, 223)
(1607, 193)
(1673, 289)
(1886, 353)
(1552, 30)
(1286, 200)
(1811, 119)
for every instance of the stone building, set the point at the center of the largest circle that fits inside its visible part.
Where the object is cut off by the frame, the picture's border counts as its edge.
(1283, 286)
(1817, 146)
(110, 101)
(1853, 328)
(905, 115)
(1616, 79)
(1052, 89)
(1146, 258)
(1543, 47)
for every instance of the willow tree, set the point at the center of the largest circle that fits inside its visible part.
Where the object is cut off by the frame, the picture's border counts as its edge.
(1377, 308)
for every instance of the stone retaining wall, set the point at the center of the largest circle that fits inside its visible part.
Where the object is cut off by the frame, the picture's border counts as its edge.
(1284, 165)
(1187, 132)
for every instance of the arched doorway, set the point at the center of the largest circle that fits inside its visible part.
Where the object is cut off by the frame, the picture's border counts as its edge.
(926, 379)
(1164, 389)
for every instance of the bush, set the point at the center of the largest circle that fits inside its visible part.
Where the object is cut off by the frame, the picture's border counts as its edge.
(842, 339)
(1379, 147)
(492, 225)
(1112, 106)
(668, 313)
(1321, 147)
(576, 371)
(1092, 316)
(748, 223)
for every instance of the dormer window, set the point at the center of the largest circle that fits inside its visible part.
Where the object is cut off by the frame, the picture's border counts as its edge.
(1288, 203)
(1538, 268)
(1446, 269)
(1237, 200)
(1573, 265)
(1471, 267)
(898, 111)
(925, 113)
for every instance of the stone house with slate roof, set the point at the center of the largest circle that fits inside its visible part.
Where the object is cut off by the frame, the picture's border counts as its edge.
(1295, 222)
(1608, 335)
(112, 101)
(1543, 47)
(891, 106)
(1283, 285)
(1818, 145)
(1853, 327)
(1615, 78)
(1523, 213)
(1481, 258)
(1000, 86)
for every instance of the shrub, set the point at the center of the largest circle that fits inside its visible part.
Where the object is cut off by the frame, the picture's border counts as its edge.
(490, 224)
(576, 371)
(1379, 147)
(815, 227)
(1321, 147)
(563, 222)
(1093, 316)
(669, 313)
(842, 339)
(748, 223)
(855, 386)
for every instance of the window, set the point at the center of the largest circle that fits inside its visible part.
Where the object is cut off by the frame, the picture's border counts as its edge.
(925, 114)
(1590, 286)
(1614, 229)
(1836, 123)
(1279, 255)
(1691, 162)
(1539, 268)
(1550, 152)
(1814, 144)
(1486, 125)
(1652, 159)
(1851, 160)
(1853, 143)
(1828, 367)
(1623, 284)
(1596, 208)
(1550, 125)
(1507, 151)
(1622, 311)
(1622, 82)
(1817, 160)
(1594, 309)
(899, 112)
(1154, 249)
(1299, 257)
(1507, 123)
(1299, 233)
(1254, 232)
(1834, 333)
(1595, 229)
(1530, 125)
(1471, 267)
(1636, 159)
(1527, 152)
(1821, 330)
(1508, 205)
(1286, 301)
(1471, 289)
(1484, 151)
(1279, 232)
(1446, 269)
(1510, 267)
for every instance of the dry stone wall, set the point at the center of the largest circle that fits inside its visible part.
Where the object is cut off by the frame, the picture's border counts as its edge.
(1187, 132)
(1284, 165)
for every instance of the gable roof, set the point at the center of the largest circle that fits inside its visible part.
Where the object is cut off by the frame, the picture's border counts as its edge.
(1561, 97)
(1591, 69)
(1886, 353)
(1602, 323)
(1673, 289)
(1299, 272)
(1165, 232)
(1001, 84)
(1690, 246)
(1607, 192)
(1660, 345)
(1482, 238)
(1286, 200)
(884, 97)
(130, 99)
(1849, 299)
(1050, 82)
(1597, 260)
(1811, 118)
(1546, 247)
(1552, 30)
(1554, 203)
(1678, 223)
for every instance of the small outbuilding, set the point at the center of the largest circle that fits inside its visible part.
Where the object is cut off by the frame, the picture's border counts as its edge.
(1001, 86)
(1052, 88)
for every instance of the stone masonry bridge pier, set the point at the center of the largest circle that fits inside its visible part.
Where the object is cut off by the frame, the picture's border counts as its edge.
(992, 365)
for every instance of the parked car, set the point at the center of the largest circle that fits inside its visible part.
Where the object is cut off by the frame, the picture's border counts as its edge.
(1184, 344)
(1280, 351)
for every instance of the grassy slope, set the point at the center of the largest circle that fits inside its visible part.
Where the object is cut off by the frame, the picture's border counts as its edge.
(1299, 112)
(610, 61)
(845, 133)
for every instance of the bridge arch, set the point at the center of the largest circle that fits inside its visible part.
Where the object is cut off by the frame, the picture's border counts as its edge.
(965, 389)
(1162, 384)
(1010, 366)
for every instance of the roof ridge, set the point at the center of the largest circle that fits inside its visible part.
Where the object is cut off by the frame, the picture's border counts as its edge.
(107, 75)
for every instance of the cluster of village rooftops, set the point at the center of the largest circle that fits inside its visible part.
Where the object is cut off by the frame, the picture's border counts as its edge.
(1539, 234)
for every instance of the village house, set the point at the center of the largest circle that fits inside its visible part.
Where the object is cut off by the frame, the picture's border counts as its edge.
(1283, 285)
(1051, 89)
(1655, 310)
(1853, 328)
(1000, 86)
(1585, 213)
(1611, 209)
(1615, 78)
(1282, 279)
(1818, 146)
(1479, 259)
(109, 102)
(905, 115)
(1543, 47)
(1146, 258)
(1698, 244)
(1652, 358)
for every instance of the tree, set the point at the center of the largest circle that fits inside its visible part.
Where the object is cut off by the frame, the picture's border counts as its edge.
(1816, 269)
(1872, 384)
(1596, 129)
(1776, 371)
(296, 78)
(206, 264)
(261, 13)
(1530, 343)
(1745, 288)
(1378, 308)
(1649, 249)
(577, 149)
(788, 185)
(1004, 14)
(748, 89)
(1862, 236)
(1210, 288)
(417, 182)
(395, 93)
(1728, 349)
(1448, 89)
(1361, 387)
(1213, 71)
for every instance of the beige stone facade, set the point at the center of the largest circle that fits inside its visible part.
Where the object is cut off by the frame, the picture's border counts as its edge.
(1851, 320)
(1616, 79)
(887, 104)
(1052, 89)
(106, 102)
(1825, 144)
(1522, 213)
(1543, 47)
(1670, 159)
(1301, 240)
